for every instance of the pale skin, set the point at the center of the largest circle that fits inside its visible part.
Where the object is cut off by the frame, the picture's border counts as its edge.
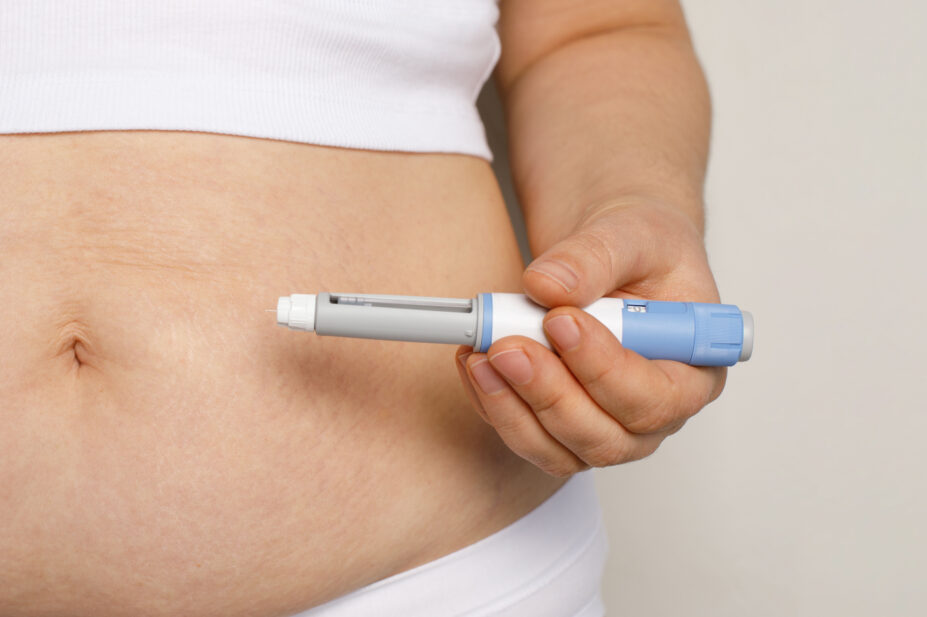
(609, 121)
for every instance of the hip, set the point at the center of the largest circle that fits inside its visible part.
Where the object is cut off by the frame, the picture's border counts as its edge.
(548, 563)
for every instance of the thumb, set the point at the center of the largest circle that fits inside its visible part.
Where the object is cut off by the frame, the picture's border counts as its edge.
(612, 251)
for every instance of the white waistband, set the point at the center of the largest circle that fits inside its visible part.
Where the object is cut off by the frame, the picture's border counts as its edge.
(548, 563)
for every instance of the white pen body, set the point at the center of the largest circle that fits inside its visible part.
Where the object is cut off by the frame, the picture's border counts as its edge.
(515, 314)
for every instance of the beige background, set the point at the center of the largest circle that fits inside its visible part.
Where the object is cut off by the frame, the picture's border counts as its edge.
(802, 491)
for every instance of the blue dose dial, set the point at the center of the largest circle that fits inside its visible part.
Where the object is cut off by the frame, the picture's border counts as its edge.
(692, 332)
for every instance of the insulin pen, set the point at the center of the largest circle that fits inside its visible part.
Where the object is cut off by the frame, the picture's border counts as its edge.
(696, 333)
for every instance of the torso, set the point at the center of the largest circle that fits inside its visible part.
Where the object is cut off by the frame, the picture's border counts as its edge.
(165, 447)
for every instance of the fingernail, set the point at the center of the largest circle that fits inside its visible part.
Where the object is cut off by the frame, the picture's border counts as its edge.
(514, 365)
(462, 358)
(561, 273)
(564, 331)
(486, 378)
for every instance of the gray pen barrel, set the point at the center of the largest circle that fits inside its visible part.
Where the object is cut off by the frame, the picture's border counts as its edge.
(456, 324)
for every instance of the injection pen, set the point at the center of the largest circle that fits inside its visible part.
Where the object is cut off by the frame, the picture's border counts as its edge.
(696, 333)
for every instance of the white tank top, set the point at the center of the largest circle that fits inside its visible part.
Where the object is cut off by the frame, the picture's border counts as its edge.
(373, 74)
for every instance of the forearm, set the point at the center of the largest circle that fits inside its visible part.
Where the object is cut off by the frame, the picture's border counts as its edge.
(611, 117)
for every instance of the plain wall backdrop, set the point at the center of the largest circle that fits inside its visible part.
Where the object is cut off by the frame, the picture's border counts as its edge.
(802, 490)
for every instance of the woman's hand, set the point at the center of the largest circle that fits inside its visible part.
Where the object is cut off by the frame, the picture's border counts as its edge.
(593, 402)
(608, 119)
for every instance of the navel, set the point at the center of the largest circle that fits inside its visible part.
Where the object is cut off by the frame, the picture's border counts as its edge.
(75, 342)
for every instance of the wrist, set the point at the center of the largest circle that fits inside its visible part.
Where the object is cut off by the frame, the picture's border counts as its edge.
(685, 208)
(675, 215)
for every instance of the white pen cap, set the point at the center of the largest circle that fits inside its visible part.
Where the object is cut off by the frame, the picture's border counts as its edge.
(297, 312)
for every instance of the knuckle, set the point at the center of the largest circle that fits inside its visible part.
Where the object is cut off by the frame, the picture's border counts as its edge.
(695, 406)
(650, 418)
(688, 407)
(508, 425)
(548, 403)
(598, 249)
(606, 453)
(675, 403)
(599, 378)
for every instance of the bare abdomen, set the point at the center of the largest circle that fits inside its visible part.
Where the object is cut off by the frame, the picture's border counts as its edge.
(165, 448)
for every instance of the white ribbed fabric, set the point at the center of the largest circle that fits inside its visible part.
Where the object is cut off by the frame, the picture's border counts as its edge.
(549, 563)
(374, 74)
